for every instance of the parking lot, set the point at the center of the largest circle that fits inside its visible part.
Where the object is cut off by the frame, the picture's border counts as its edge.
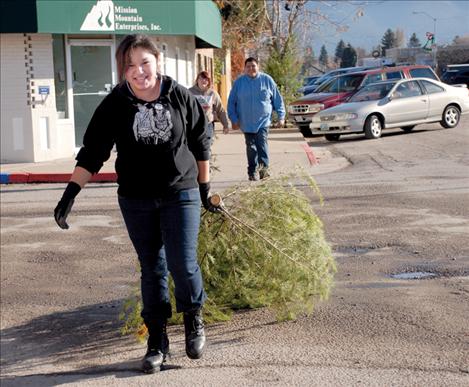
(398, 205)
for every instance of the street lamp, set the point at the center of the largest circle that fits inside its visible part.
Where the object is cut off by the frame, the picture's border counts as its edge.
(435, 64)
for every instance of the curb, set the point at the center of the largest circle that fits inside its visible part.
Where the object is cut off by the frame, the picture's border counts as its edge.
(31, 178)
(309, 154)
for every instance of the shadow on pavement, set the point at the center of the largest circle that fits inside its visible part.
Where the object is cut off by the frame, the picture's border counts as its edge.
(64, 340)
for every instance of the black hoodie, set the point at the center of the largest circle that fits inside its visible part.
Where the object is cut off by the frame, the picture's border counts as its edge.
(157, 142)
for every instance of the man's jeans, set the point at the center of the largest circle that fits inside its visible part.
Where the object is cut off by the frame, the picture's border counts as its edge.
(164, 233)
(257, 150)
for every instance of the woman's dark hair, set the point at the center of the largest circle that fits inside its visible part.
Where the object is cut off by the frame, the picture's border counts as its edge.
(129, 43)
(204, 74)
(251, 59)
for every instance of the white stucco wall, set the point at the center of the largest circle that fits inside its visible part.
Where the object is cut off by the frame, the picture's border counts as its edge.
(29, 131)
(182, 44)
(16, 117)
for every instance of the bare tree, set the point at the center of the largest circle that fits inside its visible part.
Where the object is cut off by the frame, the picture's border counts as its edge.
(400, 38)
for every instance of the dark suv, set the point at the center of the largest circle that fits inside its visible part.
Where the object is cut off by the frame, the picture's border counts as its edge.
(456, 74)
(338, 89)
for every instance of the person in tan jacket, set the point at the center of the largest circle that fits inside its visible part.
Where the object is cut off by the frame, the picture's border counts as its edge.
(210, 101)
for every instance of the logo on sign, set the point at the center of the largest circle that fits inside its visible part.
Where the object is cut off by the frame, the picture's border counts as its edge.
(100, 18)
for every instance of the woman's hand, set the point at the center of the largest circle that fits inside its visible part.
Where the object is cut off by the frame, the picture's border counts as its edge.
(204, 189)
(65, 204)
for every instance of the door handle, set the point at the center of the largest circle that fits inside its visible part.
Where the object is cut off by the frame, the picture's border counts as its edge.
(423, 100)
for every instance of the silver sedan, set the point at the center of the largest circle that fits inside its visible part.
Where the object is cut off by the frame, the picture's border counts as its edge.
(394, 104)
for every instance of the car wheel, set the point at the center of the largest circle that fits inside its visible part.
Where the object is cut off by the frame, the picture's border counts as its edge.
(408, 129)
(306, 131)
(373, 127)
(451, 116)
(332, 137)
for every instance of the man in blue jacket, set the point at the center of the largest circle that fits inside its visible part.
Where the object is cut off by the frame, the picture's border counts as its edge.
(252, 99)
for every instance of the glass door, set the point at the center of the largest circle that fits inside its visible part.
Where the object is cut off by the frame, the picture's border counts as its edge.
(91, 78)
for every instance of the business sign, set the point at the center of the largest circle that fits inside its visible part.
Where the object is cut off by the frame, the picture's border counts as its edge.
(118, 16)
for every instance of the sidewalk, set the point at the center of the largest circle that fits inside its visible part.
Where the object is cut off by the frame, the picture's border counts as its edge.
(287, 147)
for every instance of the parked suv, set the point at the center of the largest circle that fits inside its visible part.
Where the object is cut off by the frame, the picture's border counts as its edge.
(312, 86)
(456, 74)
(338, 89)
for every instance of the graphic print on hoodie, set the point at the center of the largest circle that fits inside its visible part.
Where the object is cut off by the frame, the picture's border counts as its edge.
(152, 124)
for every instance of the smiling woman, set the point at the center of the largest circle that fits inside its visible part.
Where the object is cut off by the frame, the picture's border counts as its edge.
(159, 130)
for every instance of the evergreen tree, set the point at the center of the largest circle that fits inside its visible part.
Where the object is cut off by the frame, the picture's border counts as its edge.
(349, 57)
(414, 41)
(284, 67)
(323, 56)
(338, 51)
(388, 40)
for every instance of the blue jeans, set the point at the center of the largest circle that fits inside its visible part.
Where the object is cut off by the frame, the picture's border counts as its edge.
(257, 150)
(211, 132)
(164, 233)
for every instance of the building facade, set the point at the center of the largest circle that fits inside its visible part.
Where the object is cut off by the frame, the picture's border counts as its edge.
(57, 63)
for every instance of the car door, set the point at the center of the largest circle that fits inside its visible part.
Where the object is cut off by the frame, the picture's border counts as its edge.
(408, 104)
(437, 97)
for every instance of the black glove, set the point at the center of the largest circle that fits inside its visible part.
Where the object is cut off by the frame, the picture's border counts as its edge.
(204, 189)
(65, 204)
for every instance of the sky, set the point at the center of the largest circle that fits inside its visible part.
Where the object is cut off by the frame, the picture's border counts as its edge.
(367, 30)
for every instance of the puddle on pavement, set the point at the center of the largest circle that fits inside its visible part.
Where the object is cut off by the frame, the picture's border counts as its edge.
(374, 285)
(353, 250)
(414, 275)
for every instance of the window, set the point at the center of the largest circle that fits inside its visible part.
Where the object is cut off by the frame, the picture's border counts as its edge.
(423, 73)
(164, 52)
(342, 84)
(408, 89)
(188, 77)
(210, 66)
(60, 76)
(372, 78)
(176, 57)
(372, 92)
(431, 88)
(199, 63)
(394, 75)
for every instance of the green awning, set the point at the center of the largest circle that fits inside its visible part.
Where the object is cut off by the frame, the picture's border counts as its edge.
(198, 18)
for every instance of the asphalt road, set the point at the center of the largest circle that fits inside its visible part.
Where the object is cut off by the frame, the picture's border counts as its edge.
(400, 207)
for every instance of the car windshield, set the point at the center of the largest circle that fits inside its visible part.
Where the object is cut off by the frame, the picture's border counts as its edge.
(341, 84)
(372, 92)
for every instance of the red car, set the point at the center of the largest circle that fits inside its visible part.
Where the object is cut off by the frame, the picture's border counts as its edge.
(340, 88)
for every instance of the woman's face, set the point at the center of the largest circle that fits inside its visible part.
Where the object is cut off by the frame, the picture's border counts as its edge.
(202, 83)
(141, 70)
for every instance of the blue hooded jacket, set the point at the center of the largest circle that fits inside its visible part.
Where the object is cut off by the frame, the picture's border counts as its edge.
(252, 101)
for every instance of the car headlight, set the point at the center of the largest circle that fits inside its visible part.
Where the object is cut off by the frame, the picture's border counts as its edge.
(345, 116)
(316, 119)
(290, 109)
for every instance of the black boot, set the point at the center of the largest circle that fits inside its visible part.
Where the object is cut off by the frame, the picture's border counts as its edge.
(158, 348)
(195, 336)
